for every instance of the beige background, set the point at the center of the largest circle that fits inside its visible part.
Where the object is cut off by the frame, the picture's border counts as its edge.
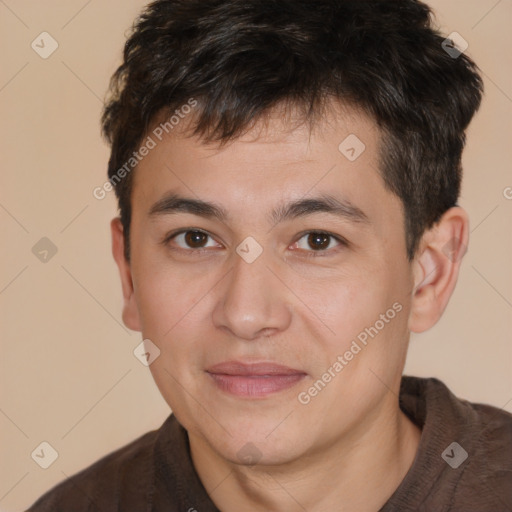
(68, 375)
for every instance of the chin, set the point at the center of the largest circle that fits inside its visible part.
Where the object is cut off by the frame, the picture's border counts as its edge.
(247, 451)
(255, 441)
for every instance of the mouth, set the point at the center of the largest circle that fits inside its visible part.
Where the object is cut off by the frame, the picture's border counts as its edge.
(254, 380)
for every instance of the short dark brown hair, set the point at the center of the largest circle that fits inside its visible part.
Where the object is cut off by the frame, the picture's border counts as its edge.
(241, 58)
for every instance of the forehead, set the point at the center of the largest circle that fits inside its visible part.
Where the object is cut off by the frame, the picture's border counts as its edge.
(279, 158)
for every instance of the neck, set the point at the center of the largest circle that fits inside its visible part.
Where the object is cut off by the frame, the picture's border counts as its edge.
(359, 472)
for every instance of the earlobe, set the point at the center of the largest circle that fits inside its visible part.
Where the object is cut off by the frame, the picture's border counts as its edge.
(436, 268)
(131, 316)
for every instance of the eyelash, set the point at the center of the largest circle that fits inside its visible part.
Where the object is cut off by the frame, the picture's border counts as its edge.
(308, 254)
(326, 252)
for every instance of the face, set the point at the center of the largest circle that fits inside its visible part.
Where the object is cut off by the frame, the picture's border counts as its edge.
(272, 276)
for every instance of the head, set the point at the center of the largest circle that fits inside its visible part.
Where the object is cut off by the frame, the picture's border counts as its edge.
(289, 196)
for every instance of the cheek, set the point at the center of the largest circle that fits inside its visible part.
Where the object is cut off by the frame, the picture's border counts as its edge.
(368, 307)
(346, 303)
(175, 309)
(173, 315)
(168, 296)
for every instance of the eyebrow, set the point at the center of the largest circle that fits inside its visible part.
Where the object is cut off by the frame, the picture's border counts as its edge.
(173, 203)
(322, 204)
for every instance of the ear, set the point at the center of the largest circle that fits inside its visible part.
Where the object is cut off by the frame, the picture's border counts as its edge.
(131, 316)
(436, 268)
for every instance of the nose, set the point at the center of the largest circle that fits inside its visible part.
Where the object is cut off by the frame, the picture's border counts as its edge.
(253, 302)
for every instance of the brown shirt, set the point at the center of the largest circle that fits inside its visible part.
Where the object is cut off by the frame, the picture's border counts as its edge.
(155, 473)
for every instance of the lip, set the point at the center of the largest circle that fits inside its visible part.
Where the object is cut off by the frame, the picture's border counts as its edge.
(254, 380)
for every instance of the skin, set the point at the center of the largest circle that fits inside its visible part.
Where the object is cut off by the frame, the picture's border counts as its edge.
(350, 447)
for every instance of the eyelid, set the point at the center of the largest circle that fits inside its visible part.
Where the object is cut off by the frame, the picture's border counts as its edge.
(173, 234)
(310, 253)
(342, 241)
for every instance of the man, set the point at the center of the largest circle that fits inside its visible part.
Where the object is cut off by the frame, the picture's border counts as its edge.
(287, 175)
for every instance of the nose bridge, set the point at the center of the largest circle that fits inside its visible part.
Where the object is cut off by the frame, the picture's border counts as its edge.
(253, 300)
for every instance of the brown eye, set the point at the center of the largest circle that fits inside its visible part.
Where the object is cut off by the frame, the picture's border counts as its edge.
(319, 241)
(192, 239)
(195, 239)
